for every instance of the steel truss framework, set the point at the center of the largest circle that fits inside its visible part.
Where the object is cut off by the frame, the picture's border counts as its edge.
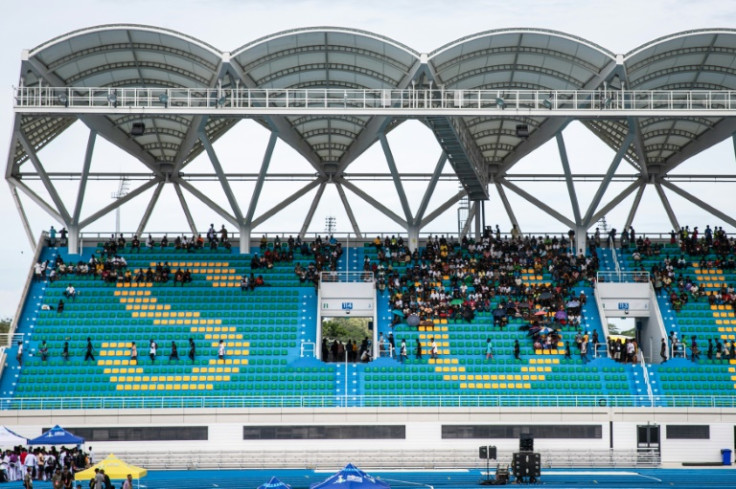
(332, 93)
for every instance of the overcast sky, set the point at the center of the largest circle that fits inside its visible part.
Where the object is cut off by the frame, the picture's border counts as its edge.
(619, 26)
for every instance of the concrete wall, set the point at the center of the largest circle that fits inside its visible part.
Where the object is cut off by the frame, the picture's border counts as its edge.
(423, 427)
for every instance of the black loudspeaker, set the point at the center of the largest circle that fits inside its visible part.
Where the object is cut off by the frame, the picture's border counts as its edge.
(370, 325)
(492, 453)
(483, 452)
(526, 443)
(527, 464)
(522, 131)
(138, 129)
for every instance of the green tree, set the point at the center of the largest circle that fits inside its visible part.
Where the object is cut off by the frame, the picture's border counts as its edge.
(5, 324)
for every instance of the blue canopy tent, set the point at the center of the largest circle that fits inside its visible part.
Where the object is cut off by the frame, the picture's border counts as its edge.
(274, 483)
(350, 477)
(57, 436)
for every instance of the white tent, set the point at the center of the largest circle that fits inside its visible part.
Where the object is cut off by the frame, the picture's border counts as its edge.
(10, 439)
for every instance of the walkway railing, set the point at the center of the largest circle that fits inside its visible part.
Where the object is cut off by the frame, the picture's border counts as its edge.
(259, 101)
(387, 401)
(337, 276)
(374, 459)
(618, 277)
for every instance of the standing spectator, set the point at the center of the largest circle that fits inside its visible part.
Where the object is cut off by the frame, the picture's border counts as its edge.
(174, 355)
(517, 350)
(65, 351)
(584, 351)
(418, 350)
(433, 348)
(489, 349)
(402, 351)
(43, 350)
(19, 356)
(133, 353)
(663, 350)
(695, 351)
(90, 349)
(52, 237)
(192, 349)
(221, 350)
(152, 348)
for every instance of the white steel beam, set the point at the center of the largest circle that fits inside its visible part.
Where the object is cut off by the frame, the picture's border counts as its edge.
(84, 176)
(667, 207)
(635, 205)
(207, 201)
(149, 209)
(117, 203)
(285, 203)
(443, 208)
(640, 183)
(430, 189)
(221, 176)
(568, 178)
(35, 198)
(22, 213)
(185, 208)
(349, 211)
(703, 205)
(507, 205)
(721, 131)
(66, 218)
(397, 180)
(281, 124)
(261, 178)
(469, 220)
(538, 203)
(587, 220)
(377, 205)
(312, 208)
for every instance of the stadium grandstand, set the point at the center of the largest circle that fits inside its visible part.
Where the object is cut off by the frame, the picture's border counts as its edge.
(407, 347)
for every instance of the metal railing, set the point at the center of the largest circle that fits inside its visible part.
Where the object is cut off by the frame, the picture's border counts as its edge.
(355, 401)
(374, 459)
(619, 277)
(337, 276)
(370, 101)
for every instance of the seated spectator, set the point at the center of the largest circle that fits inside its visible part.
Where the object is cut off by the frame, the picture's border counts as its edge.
(70, 292)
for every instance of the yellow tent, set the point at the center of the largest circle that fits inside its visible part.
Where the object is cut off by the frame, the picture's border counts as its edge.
(114, 468)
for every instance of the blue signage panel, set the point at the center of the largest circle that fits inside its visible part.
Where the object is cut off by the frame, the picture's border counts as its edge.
(623, 306)
(347, 306)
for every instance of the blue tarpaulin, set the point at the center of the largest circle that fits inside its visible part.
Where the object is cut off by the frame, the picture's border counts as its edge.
(350, 477)
(57, 436)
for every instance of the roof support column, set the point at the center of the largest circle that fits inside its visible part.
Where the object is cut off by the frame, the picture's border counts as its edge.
(507, 205)
(185, 208)
(635, 206)
(149, 210)
(587, 220)
(541, 205)
(690, 197)
(349, 211)
(285, 203)
(83, 178)
(22, 213)
(667, 207)
(396, 177)
(65, 217)
(568, 178)
(312, 208)
(245, 224)
(221, 176)
(441, 209)
(377, 205)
